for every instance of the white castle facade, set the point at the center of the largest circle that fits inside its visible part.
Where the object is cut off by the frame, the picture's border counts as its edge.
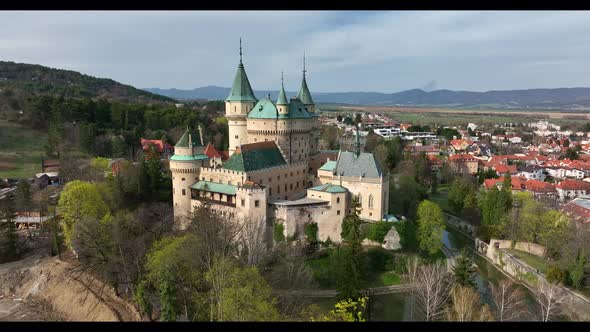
(275, 172)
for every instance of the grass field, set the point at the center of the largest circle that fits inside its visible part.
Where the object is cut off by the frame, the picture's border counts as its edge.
(448, 116)
(21, 150)
(534, 261)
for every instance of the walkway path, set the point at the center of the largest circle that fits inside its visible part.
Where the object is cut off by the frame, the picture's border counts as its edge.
(333, 293)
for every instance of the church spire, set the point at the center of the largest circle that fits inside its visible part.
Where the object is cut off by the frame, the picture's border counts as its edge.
(282, 95)
(241, 89)
(304, 95)
(357, 145)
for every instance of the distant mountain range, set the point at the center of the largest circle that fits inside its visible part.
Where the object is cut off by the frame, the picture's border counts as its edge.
(559, 98)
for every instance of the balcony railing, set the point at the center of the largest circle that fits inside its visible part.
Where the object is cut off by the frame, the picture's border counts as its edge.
(212, 201)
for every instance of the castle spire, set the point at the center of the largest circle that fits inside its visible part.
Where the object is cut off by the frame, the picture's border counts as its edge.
(357, 145)
(241, 89)
(282, 95)
(304, 95)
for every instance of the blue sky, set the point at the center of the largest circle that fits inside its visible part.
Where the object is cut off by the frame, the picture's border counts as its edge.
(384, 51)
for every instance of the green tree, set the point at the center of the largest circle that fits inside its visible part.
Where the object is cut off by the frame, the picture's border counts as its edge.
(174, 273)
(555, 232)
(378, 230)
(23, 197)
(494, 212)
(278, 232)
(464, 271)
(461, 187)
(152, 168)
(9, 237)
(405, 197)
(349, 257)
(347, 310)
(244, 295)
(311, 232)
(431, 226)
(79, 200)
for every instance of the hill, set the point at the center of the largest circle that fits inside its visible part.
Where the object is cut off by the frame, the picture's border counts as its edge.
(559, 98)
(20, 80)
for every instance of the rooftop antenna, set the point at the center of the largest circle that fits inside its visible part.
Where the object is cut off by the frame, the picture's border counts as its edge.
(282, 80)
(358, 140)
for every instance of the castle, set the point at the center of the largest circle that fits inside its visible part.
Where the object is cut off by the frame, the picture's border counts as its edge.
(275, 172)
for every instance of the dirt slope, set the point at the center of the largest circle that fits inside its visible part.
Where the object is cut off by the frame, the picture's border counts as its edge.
(43, 288)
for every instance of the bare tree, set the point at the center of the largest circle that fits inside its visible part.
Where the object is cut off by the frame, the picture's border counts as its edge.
(432, 286)
(252, 241)
(549, 298)
(465, 306)
(411, 278)
(508, 300)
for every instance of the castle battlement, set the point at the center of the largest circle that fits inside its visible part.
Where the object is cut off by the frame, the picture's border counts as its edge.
(222, 171)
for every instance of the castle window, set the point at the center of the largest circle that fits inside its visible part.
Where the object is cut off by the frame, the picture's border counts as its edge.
(255, 140)
(269, 191)
(266, 139)
(183, 192)
(291, 186)
(285, 187)
(338, 212)
(278, 189)
(235, 109)
(360, 200)
(269, 180)
(370, 201)
(243, 202)
(256, 203)
(261, 181)
(337, 199)
(182, 179)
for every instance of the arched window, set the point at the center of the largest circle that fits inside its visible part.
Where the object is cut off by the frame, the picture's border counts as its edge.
(370, 201)
(359, 198)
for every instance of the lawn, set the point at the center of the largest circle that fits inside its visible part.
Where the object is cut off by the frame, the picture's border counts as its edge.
(534, 261)
(441, 197)
(21, 150)
(377, 263)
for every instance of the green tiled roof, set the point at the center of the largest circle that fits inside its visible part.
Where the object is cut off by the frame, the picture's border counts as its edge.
(266, 109)
(329, 188)
(328, 166)
(195, 138)
(221, 188)
(304, 95)
(189, 158)
(241, 89)
(255, 156)
(282, 97)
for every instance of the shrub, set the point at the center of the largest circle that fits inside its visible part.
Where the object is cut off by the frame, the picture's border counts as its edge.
(379, 259)
(378, 230)
(311, 232)
(555, 275)
(278, 232)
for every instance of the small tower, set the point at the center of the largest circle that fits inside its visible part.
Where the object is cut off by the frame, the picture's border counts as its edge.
(282, 103)
(240, 101)
(185, 166)
(304, 95)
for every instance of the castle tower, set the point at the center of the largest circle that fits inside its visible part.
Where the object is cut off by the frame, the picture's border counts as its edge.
(282, 103)
(305, 97)
(185, 166)
(240, 101)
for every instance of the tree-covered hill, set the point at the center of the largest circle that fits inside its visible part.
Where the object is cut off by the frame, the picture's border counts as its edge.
(20, 80)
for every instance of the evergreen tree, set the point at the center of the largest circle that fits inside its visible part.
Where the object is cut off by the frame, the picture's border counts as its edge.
(9, 248)
(464, 271)
(23, 196)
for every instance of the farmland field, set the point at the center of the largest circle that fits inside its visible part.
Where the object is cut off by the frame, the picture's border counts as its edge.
(21, 150)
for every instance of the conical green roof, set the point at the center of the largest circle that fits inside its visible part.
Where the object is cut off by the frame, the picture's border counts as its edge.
(241, 90)
(195, 139)
(282, 97)
(304, 94)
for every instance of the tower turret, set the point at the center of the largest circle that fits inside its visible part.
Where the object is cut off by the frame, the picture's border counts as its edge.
(185, 166)
(240, 101)
(282, 103)
(304, 95)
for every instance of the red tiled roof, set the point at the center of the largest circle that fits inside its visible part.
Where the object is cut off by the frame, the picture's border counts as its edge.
(211, 152)
(159, 144)
(501, 168)
(577, 212)
(570, 184)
